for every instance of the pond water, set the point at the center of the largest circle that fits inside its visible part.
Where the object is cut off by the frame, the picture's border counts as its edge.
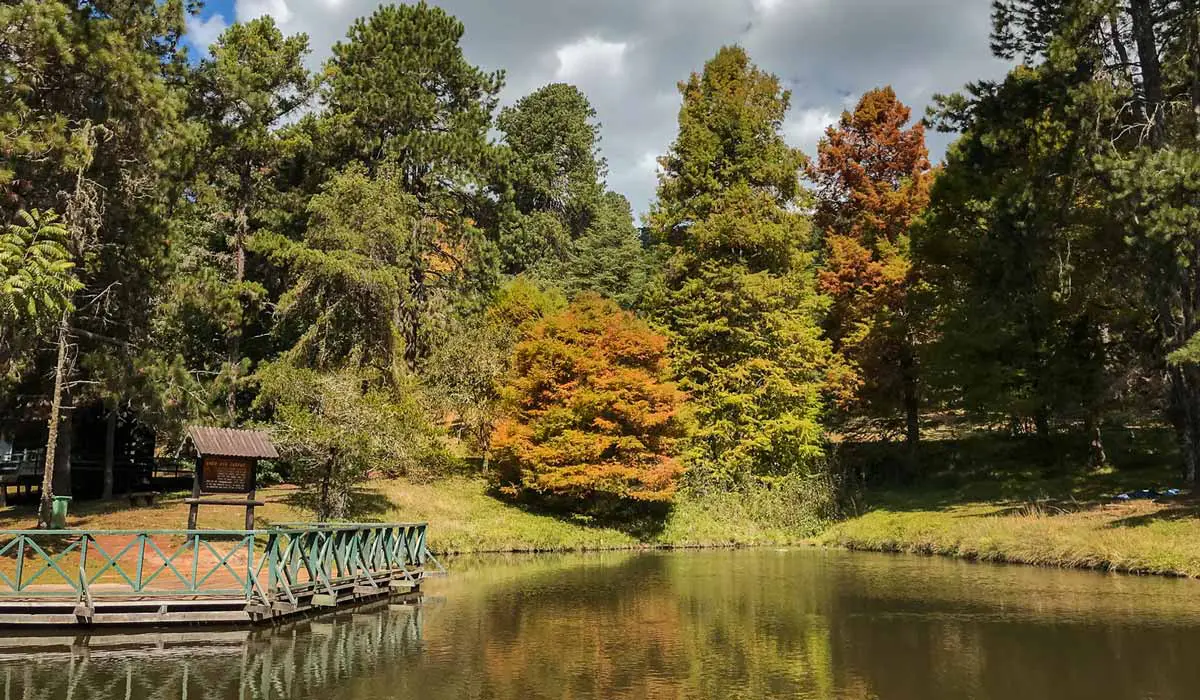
(714, 624)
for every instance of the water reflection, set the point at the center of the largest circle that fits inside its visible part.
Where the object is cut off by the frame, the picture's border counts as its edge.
(308, 659)
(744, 624)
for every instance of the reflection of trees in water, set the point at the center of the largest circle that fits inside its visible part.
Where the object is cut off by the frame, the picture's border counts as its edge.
(922, 628)
(306, 659)
(601, 626)
(753, 626)
(685, 625)
(682, 625)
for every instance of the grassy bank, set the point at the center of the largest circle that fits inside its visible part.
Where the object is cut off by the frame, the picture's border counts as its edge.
(1001, 501)
(1140, 537)
(463, 517)
(979, 498)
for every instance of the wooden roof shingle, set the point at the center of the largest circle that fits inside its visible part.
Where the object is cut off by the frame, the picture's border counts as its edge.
(230, 442)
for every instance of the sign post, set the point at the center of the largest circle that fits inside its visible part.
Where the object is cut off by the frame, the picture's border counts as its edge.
(227, 463)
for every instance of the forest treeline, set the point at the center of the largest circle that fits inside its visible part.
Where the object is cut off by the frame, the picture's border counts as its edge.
(394, 274)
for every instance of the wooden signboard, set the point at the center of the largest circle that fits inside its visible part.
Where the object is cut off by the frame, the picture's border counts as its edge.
(227, 474)
(226, 462)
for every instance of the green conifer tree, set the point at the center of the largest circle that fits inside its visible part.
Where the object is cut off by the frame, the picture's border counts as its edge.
(738, 290)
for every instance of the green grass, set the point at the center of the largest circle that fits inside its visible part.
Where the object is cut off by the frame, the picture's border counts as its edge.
(1002, 500)
(979, 497)
(462, 514)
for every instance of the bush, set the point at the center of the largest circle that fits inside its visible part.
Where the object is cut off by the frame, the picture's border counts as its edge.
(590, 417)
(336, 429)
(800, 504)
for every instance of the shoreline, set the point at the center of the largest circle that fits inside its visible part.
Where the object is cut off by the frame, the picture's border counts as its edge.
(1140, 539)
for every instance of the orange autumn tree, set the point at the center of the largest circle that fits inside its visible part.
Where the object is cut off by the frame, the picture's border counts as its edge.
(590, 416)
(872, 179)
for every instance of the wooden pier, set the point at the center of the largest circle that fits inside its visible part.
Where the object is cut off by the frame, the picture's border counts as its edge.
(164, 577)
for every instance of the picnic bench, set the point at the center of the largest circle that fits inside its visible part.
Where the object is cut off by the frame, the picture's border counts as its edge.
(145, 497)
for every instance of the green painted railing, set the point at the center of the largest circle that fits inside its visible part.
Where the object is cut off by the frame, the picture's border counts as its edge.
(272, 565)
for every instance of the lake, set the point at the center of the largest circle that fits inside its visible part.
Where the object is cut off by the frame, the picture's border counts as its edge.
(800, 623)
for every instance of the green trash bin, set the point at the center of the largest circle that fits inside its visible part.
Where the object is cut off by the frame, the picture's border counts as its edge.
(58, 512)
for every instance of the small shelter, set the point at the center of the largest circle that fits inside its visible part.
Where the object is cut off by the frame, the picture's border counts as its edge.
(226, 463)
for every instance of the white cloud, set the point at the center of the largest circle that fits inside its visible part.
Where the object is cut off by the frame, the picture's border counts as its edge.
(590, 56)
(648, 163)
(766, 6)
(804, 128)
(628, 55)
(251, 9)
(203, 32)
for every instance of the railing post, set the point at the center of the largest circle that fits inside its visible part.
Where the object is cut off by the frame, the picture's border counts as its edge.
(195, 562)
(420, 553)
(272, 563)
(20, 560)
(251, 576)
(141, 561)
(83, 550)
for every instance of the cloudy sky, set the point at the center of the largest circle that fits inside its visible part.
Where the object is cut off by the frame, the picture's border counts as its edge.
(628, 55)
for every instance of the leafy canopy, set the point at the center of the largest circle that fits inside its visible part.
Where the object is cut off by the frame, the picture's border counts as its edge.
(872, 180)
(590, 414)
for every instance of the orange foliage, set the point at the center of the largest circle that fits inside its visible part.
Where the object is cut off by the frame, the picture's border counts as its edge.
(589, 411)
(873, 177)
(872, 174)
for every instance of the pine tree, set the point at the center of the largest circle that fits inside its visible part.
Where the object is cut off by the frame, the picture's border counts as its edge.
(609, 259)
(556, 166)
(401, 97)
(92, 126)
(1135, 64)
(399, 89)
(738, 290)
(1028, 285)
(253, 78)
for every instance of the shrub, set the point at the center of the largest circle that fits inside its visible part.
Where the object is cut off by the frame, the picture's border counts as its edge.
(336, 429)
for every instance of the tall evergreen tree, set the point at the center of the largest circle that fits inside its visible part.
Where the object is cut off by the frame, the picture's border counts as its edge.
(253, 78)
(91, 118)
(1028, 290)
(609, 258)
(1139, 62)
(399, 89)
(401, 96)
(553, 135)
(738, 291)
(872, 177)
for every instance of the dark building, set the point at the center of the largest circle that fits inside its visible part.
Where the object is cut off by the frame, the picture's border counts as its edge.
(23, 443)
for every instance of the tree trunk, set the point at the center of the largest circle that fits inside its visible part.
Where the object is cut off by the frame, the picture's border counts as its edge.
(1041, 423)
(1185, 414)
(235, 337)
(51, 458)
(66, 438)
(1141, 13)
(1194, 52)
(110, 453)
(1096, 454)
(325, 504)
(912, 397)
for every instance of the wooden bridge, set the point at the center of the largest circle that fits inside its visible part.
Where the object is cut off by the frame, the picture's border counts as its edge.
(138, 577)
